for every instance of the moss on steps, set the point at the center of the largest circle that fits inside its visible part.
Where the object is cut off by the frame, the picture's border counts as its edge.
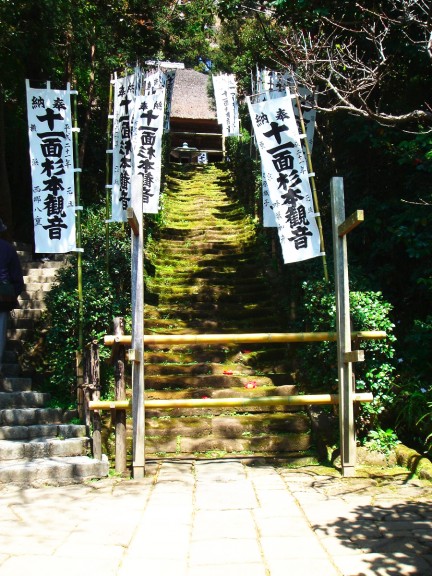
(206, 273)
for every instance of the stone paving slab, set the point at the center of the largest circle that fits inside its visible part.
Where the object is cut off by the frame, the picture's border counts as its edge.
(220, 518)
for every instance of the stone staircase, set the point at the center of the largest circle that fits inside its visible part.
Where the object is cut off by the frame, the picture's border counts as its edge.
(206, 273)
(39, 444)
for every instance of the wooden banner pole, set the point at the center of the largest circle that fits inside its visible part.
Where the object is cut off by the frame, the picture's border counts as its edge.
(108, 164)
(137, 265)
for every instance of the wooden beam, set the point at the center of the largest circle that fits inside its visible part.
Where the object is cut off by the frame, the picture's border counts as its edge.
(271, 337)
(354, 356)
(350, 223)
(295, 400)
(133, 221)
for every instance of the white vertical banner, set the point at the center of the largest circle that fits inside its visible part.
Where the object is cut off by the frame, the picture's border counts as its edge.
(269, 218)
(277, 85)
(124, 97)
(147, 131)
(287, 178)
(218, 86)
(52, 169)
(168, 79)
(225, 89)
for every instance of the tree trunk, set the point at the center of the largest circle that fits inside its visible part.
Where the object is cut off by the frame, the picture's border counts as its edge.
(5, 197)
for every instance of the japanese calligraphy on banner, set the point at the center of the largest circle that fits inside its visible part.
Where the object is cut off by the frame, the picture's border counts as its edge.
(225, 89)
(287, 179)
(124, 97)
(277, 84)
(161, 79)
(52, 169)
(168, 84)
(147, 130)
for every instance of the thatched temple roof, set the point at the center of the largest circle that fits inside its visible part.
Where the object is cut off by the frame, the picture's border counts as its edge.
(190, 96)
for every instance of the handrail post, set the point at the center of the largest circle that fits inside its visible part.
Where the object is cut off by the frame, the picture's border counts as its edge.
(345, 355)
(137, 277)
(91, 391)
(120, 394)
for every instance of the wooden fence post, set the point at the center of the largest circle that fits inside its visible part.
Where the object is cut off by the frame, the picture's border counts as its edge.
(345, 356)
(136, 221)
(91, 391)
(120, 394)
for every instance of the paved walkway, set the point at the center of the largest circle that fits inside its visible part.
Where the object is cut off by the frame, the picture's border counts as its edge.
(219, 518)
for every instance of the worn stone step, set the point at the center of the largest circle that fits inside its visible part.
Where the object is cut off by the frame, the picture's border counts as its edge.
(17, 323)
(20, 334)
(185, 284)
(42, 273)
(42, 448)
(27, 302)
(217, 249)
(10, 370)
(26, 314)
(195, 369)
(268, 444)
(205, 393)
(53, 471)
(214, 295)
(252, 354)
(34, 288)
(42, 431)
(31, 416)
(207, 325)
(15, 384)
(203, 381)
(23, 399)
(239, 426)
(210, 381)
(208, 311)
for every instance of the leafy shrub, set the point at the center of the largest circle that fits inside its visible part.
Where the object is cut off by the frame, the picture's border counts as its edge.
(245, 171)
(106, 294)
(318, 361)
(383, 441)
(412, 410)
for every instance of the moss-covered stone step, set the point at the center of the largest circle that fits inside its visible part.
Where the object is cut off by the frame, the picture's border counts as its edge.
(240, 426)
(174, 382)
(206, 325)
(209, 311)
(229, 392)
(184, 284)
(206, 273)
(197, 368)
(214, 294)
(250, 354)
(269, 444)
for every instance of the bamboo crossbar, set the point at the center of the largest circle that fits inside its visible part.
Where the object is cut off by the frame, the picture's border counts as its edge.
(295, 400)
(270, 337)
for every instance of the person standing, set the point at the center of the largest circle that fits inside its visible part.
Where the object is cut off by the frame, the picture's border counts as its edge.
(11, 276)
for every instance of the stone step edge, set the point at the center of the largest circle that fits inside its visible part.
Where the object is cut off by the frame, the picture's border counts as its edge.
(27, 433)
(43, 448)
(54, 471)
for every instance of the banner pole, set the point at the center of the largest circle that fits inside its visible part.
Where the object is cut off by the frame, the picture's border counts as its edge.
(312, 180)
(108, 164)
(78, 224)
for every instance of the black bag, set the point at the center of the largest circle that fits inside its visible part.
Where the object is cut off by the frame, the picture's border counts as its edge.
(8, 298)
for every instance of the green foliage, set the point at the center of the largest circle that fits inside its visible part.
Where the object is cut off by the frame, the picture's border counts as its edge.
(413, 417)
(105, 296)
(318, 362)
(382, 441)
(245, 171)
